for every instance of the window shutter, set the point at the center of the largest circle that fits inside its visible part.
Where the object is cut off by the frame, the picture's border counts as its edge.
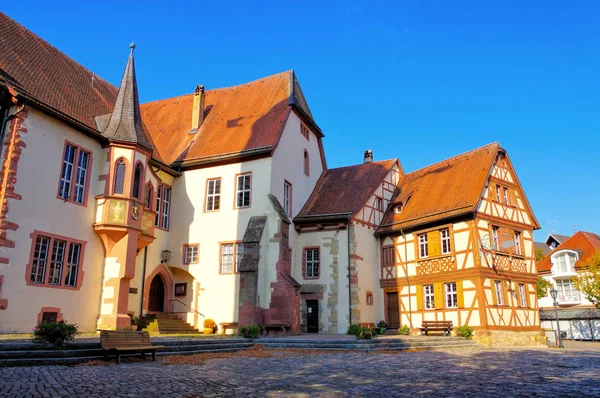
(527, 303)
(419, 298)
(433, 241)
(494, 297)
(438, 292)
(460, 300)
(512, 194)
(505, 286)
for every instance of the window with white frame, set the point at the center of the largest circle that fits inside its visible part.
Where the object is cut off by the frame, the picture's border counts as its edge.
(495, 241)
(379, 204)
(191, 254)
(522, 295)
(213, 194)
(423, 247)
(48, 265)
(163, 206)
(311, 265)
(445, 235)
(505, 195)
(498, 197)
(566, 263)
(287, 198)
(499, 291)
(428, 297)
(451, 295)
(74, 172)
(566, 291)
(157, 206)
(243, 189)
(231, 257)
(518, 243)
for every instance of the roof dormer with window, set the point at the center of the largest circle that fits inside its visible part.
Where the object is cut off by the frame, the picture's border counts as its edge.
(563, 263)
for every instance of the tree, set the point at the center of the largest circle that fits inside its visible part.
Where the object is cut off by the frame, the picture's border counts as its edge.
(588, 280)
(539, 254)
(542, 287)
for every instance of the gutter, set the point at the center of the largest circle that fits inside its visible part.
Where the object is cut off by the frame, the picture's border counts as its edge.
(226, 156)
(414, 226)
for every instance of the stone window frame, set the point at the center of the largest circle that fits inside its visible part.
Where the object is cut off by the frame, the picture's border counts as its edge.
(304, 263)
(74, 172)
(369, 298)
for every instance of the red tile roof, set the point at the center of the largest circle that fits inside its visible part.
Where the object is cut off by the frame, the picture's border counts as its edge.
(587, 243)
(240, 119)
(38, 70)
(344, 190)
(446, 189)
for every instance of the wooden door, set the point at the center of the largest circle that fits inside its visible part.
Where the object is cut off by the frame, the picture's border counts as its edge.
(312, 316)
(393, 310)
(156, 297)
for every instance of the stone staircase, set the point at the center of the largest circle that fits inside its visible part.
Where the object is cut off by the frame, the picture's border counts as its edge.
(378, 344)
(29, 354)
(165, 324)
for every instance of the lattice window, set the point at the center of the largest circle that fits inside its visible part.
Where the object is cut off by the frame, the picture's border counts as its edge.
(243, 190)
(119, 183)
(213, 195)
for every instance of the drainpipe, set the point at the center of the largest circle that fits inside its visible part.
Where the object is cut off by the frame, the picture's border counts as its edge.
(407, 280)
(143, 281)
(349, 278)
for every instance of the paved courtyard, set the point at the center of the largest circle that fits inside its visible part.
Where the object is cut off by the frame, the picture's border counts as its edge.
(260, 373)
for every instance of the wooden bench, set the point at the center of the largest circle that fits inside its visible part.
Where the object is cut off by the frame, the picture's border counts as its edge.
(278, 327)
(444, 326)
(120, 341)
(228, 325)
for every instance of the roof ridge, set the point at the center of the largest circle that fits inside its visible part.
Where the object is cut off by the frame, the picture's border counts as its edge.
(362, 164)
(96, 76)
(456, 156)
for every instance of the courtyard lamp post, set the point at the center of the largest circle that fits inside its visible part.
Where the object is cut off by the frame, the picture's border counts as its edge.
(554, 294)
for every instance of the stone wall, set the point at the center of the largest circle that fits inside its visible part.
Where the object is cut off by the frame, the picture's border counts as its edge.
(510, 338)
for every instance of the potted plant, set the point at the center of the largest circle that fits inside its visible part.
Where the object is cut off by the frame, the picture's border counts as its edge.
(381, 325)
(209, 326)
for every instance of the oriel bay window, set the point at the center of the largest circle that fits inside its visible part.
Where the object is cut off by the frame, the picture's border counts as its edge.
(55, 261)
(74, 180)
(435, 243)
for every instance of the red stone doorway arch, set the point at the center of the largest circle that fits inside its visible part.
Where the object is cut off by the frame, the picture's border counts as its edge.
(163, 273)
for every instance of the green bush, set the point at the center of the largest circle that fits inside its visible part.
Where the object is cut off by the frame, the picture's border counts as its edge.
(353, 330)
(364, 334)
(404, 330)
(249, 331)
(465, 331)
(210, 324)
(57, 333)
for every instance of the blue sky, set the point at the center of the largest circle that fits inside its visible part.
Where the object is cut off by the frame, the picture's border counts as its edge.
(417, 80)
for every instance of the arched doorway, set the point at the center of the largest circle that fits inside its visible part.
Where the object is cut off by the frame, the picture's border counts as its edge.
(156, 299)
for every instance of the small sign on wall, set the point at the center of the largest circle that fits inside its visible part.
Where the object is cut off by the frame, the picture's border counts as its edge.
(180, 289)
(133, 290)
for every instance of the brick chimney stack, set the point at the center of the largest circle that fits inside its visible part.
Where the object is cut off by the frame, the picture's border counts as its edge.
(198, 109)
(368, 156)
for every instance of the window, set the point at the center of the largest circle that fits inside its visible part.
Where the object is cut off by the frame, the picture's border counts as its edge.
(231, 257)
(306, 163)
(499, 291)
(566, 263)
(423, 247)
(137, 176)
(74, 171)
(379, 204)
(55, 261)
(311, 263)
(428, 297)
(163, 206)
(119, 182)
(304, 131)
(566, 291)
(518, 243)
(495, 242)
(445, 234)
(451, 295)
(498, 197)
(287, 198)
(213, 194)
(369, 298)
(242, 194)
(506, 197)
(398, 209)
(387, 255)
(191, 254)
(522, 295)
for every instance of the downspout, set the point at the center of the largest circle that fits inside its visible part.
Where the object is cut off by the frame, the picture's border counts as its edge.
(407, 280)
(143, 281)
(349, 277)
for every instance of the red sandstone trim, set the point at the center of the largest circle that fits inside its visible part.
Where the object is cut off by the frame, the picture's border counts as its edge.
(59, 315)
(141, 186)
(306, 161)
(126, 178)
(3, 302)
(167, 282)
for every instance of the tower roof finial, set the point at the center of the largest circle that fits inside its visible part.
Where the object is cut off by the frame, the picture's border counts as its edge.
(132, 46)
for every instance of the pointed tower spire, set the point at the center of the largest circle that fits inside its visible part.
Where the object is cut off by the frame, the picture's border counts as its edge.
(125, 121)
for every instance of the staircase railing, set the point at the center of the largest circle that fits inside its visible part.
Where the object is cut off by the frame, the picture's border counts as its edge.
(172, 301)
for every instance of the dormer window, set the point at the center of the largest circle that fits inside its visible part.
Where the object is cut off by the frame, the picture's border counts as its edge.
(398, 209)
(565, 263)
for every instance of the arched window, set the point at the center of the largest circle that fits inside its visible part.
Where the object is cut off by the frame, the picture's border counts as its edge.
(306, 163)
(119, 183)
(137, 176)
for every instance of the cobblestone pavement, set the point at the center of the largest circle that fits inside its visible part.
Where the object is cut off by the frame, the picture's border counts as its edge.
(459, 373)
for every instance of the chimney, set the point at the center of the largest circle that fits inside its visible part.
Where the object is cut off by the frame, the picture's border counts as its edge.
(368, 156)
(198, 109)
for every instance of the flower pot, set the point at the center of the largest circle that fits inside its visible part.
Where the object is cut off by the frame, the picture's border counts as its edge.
(133, 328)
(208, 330)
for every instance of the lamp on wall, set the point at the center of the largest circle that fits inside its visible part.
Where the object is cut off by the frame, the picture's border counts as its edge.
(165, 256)
(554, 294)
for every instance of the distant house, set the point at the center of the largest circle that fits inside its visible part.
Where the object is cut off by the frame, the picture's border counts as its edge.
(578, 317)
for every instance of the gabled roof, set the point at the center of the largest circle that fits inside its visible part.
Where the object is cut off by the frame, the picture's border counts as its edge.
(556, 238)
(344, 191)
(38, 71)
(446, 189)
(541, 246)
(241, 120)
(586, 243)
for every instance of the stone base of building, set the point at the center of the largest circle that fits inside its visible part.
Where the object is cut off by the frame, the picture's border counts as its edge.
(509, 338)
(114, 322)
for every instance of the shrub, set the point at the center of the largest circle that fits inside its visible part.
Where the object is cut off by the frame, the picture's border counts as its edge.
(57, 333)
(465, 331)
(364, 334)
(249, 331)
(210, 324)
(381, 324)
(404, 330)
(353, 329)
